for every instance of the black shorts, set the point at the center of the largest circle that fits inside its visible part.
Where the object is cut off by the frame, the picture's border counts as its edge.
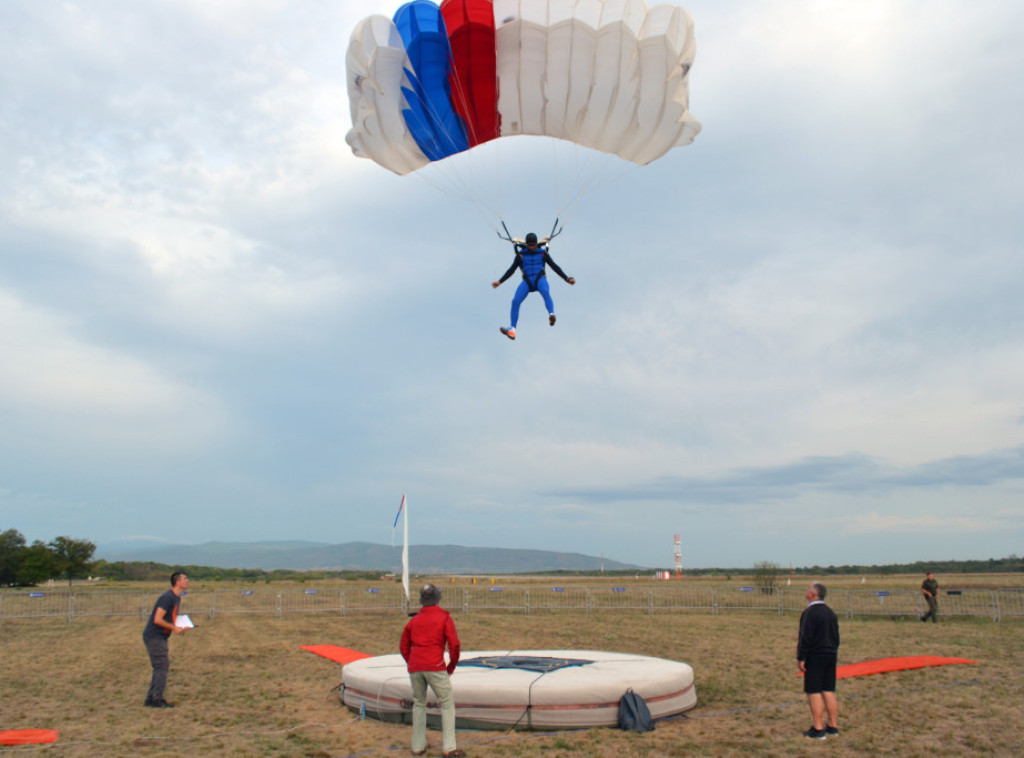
(820, 673)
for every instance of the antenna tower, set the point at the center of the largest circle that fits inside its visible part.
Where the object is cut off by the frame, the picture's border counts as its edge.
(679, 556)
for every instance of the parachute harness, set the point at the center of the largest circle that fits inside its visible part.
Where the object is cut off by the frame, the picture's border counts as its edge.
(519, 245)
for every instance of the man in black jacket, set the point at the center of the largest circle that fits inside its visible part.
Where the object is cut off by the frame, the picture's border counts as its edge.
(817, 649)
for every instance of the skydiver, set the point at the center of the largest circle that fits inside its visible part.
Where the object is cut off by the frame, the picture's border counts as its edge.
(531, 258)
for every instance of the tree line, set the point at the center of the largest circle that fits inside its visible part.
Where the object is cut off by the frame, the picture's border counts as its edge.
(1008, 565)
(24, 565)
(65, 558)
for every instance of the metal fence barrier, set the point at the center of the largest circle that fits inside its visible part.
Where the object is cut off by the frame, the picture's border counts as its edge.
(373, 599)
(702, 599)
(618, 599)
(259, 601)
(750, 598)
(493, 598)
(1009, 603)
(997, 605)
(556, 598)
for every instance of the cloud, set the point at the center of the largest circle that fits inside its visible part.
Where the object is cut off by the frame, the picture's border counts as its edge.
(849, 474)
(964, 471)
(55, 383)
(875, 523)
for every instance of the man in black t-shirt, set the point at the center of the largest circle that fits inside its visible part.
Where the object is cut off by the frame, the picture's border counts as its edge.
(158, 630)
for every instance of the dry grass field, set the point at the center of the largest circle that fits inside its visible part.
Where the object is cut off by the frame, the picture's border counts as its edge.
(244, 687)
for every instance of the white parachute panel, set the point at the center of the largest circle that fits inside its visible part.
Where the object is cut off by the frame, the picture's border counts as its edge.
(376, 62)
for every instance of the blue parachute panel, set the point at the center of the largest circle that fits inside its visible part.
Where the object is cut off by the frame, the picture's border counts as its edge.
(431, 119)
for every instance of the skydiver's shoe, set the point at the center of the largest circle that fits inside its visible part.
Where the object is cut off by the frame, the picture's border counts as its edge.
(510, 332)
(815, 734)
(551, 319)
(832, 731)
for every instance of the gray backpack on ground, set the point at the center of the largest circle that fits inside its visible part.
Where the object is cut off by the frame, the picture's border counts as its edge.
(634, 716)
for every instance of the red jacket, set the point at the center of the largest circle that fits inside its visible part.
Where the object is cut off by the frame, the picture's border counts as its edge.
(424, 639)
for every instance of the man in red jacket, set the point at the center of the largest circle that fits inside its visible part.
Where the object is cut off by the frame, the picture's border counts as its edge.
(423, 643)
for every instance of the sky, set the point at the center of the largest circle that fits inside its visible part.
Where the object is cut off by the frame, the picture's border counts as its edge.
(799, 339)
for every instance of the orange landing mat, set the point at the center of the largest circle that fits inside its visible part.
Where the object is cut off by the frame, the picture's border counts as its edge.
(27, 736)
(335, 653)
(885, 665)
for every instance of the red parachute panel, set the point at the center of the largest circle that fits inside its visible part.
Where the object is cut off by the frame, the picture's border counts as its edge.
(473, 78)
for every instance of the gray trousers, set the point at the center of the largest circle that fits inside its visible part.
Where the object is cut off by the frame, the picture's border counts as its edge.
(442, 687)
(161, 662)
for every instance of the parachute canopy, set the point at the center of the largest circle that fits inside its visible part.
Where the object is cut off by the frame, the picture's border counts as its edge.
(435, 81)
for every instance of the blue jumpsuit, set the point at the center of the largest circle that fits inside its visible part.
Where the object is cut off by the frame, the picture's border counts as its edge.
(531, 263)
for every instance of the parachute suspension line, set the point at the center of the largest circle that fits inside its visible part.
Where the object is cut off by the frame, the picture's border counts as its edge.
(593, 183)
(473, 175)
(459, 95)
(557, 178)
(454, 176)
(457, 182)
(561, 168)
(581, 172)
(499, 178)
(447, 179)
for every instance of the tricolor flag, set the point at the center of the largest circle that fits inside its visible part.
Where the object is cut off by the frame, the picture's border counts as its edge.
(402, 509)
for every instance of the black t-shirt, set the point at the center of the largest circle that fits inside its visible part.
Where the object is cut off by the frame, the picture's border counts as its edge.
(170, 603)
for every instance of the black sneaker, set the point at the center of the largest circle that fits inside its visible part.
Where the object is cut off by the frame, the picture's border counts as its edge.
(162, 704)
(815, 734)
(832, 731)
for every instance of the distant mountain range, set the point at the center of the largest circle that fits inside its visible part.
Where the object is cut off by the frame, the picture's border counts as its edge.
(357, 556)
